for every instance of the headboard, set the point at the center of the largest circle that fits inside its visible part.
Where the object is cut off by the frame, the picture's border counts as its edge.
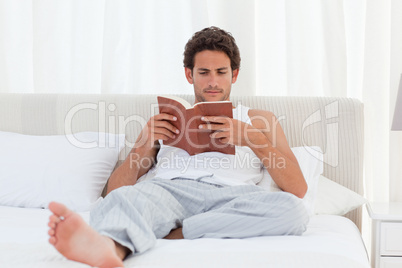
(334, 124)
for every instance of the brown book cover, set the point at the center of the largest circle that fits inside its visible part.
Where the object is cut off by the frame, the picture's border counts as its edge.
(191, 138)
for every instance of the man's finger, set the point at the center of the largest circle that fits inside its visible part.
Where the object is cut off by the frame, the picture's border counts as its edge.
(212, 126)
(164, 131)
(164, 116)
(167, 125)
(219, 134)
(215, 119)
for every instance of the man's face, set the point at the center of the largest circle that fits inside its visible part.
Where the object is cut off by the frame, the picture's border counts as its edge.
(212, 76)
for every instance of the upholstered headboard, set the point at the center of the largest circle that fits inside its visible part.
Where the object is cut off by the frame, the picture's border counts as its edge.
(334, 124)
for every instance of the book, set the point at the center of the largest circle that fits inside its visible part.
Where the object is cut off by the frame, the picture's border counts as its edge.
(191, 138)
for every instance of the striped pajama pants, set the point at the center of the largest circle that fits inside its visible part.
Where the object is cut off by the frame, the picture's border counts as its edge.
(135, 216)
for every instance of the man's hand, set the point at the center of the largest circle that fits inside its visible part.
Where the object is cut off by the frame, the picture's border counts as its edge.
(233, 131)
(157, 128)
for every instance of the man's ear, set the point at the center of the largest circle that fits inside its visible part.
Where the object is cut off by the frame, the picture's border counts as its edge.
(234, 75)
(189, 75)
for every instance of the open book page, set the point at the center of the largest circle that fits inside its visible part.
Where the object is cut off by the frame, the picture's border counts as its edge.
(182, 101)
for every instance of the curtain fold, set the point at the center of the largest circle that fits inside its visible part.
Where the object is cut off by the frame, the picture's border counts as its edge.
(376, 90)
(144, 43)
(395, 137)
(16, 37)
(300, 48)
(67, 46)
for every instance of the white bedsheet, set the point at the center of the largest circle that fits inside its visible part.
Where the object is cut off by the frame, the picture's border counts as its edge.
(330, 241)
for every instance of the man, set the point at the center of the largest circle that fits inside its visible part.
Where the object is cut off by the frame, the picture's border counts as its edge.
(199, 202)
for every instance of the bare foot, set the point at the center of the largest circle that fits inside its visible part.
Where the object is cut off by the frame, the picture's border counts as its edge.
(175, 234)
(77, 241)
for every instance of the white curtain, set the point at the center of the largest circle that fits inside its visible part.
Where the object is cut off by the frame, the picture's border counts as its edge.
(289, 47)
(395, 141)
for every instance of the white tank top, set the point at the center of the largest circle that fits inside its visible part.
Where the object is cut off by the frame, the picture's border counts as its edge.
(240, 169)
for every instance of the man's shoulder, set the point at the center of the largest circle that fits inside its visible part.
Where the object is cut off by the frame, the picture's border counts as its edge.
(258, 113)
(261, 119)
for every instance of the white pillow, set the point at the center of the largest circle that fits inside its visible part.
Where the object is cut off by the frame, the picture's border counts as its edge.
(335, 199)
(311, 164)
(71, 169)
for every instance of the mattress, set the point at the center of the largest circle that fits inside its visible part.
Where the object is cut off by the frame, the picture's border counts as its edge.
(330, 241)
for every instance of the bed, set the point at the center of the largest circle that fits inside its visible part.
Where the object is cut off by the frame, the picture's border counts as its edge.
(39, 164)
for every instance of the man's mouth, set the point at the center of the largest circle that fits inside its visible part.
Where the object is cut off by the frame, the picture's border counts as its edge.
(212, 91)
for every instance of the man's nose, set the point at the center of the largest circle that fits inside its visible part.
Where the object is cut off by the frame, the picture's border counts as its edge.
(213, 82)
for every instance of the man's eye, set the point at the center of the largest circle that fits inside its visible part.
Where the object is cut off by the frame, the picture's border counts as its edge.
(222, 72)
(203, 73)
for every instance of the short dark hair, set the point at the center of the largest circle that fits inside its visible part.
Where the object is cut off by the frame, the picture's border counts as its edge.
(212, 38)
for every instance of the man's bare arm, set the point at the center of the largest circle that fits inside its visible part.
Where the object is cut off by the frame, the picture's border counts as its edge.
(276, 155)
(144, 152)
(268, 141)
(131, 169)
